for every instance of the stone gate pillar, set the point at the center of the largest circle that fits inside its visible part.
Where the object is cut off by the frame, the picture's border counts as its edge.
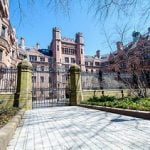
(24, 85)
(75, 85)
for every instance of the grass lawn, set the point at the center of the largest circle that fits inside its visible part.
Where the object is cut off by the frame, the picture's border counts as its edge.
(134, 103)
(6, 115)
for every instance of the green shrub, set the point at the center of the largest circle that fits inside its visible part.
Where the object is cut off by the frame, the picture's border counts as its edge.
(135, 103)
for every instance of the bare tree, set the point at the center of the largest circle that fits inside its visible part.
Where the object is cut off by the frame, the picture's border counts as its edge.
(101, 8)
(104, 8)
(122, 31)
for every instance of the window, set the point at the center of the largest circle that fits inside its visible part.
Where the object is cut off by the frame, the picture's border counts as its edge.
(91, 70)
(42, 68)
(122, 66)
(67, 77)
(91, 63)
(13, 54)
(68, 51)
(33, 58)
(50, 80)
(81, 51)
(34, 68)
(97, 63)
(42, 59)
(72, 51)
(147, 56)
(34, 92)
(86, 63)
(63, 50)
(3, 31)
(66, 59)
(42, 92)
(66, 67)
(42, 79)
(57, 47)
(86, 70)
(72, 60)
(33, 79)
(50, 60)
(121, 57)
(1, 54)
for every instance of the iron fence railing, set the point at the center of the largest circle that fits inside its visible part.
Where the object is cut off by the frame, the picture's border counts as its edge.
(8, 79)
(111, 80)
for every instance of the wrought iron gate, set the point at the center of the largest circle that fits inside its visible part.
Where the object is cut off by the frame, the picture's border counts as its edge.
(50, 87)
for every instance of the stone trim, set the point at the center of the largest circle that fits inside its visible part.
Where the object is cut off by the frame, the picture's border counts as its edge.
(25, 65)
(127, 112)
(8, 130)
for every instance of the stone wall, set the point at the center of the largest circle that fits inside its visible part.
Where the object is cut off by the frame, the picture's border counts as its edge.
(6, 100)
(86, 94)
(22, 98)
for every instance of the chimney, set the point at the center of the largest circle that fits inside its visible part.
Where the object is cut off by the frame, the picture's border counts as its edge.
(37, 46)
(148, 29)
(136, 36)
(79, 38)
(119, 46)
(98, 53)
(22, 43)
(56, 33)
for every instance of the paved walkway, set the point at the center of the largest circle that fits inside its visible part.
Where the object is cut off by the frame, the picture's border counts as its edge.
(75, 128)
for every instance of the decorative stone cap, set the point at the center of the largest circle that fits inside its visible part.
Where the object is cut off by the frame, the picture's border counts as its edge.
(75, 68)
(25, 64)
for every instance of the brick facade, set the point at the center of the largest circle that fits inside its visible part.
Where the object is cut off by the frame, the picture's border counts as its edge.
(133, 57)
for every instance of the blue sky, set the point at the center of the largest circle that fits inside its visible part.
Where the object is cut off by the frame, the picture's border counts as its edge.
(38, 20)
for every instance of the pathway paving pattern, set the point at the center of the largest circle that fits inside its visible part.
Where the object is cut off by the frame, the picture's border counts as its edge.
(76, 128)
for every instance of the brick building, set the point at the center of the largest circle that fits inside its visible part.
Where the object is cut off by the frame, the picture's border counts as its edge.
(133, 57)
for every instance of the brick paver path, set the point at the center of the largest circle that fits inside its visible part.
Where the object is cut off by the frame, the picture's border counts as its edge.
(73, 128)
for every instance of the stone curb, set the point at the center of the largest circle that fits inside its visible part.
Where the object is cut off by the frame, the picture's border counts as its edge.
(127, 112)
(8, 130)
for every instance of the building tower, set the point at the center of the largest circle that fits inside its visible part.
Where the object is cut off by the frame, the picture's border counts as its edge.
(80, 50)
(56, 46)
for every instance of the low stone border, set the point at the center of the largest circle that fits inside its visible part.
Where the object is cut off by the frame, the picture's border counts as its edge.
(127, 112)
(8, 130)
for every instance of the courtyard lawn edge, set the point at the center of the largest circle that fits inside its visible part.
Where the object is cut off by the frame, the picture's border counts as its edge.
(127, 112)
(8, 130)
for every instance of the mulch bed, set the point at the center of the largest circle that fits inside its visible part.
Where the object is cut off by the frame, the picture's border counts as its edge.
(6, 115)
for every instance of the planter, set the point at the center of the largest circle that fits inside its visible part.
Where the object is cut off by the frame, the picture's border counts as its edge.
(127, 112)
